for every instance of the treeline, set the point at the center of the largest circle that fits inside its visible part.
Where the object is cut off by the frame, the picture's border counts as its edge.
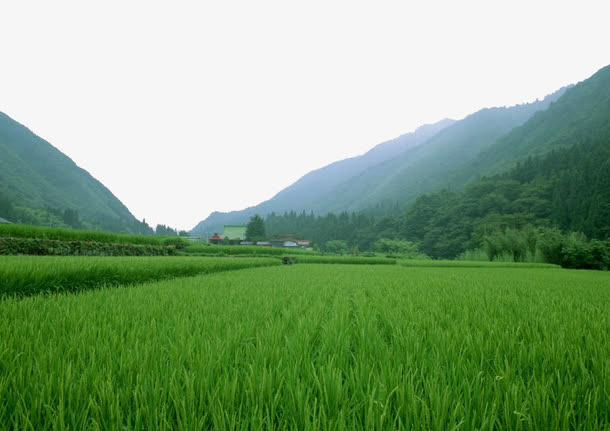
(70, 218)
(557, 205)
(357, 230)
(568, 189)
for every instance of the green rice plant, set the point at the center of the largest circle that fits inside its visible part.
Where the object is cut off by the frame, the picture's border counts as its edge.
(473, 264)
(26, 275)
(348, 260)
(315, 347)
(240, 250)
(28, 231)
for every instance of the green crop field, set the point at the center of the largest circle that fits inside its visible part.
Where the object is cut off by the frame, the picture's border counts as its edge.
(26, 275)
(61, 234)
(229, 250)
(314, 347)
(473, 264)
(348, 260)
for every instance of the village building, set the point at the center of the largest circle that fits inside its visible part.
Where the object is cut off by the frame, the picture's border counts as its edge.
(215, 239)
(234, 233)
(289, 241)
(4, 221)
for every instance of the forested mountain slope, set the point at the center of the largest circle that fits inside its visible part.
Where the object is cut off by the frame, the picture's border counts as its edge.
(303, 193)
(427, 167)
(40, 184)
(392, 172)
(567, 188)
(583, 112)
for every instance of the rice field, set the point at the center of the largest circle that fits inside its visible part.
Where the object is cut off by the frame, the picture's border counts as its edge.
(203, 249)
(62, 234)
(314, 347)
(346, 260)
(26, 275)
(429, 263)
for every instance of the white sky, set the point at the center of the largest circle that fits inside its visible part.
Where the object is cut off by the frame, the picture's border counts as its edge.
(185, 107)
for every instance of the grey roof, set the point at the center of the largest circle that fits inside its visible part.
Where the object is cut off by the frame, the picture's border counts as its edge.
(3, 220)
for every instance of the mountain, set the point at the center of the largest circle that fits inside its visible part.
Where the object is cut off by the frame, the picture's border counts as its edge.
(39, 184)
(542, 187)
(392, 172)
(428, 166)
(567, 188)
(582, 113)
(303, 193)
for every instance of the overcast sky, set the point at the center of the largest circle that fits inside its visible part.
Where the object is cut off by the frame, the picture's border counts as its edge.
(182, 108)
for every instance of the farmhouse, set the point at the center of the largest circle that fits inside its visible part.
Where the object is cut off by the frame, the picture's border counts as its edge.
(234, 233)
(215, 239)
(289, 241)
(4, 221)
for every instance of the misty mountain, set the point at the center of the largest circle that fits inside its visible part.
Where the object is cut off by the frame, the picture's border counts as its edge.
(39, 183)
(303, 193)
(581, 114)
(428, 166)
(546, 182)
(393, 172)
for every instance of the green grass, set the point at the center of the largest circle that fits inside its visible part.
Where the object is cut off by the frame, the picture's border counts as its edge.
(28, 231)
(26, 275)
(235, 250)
(472, 264)
(315, 347)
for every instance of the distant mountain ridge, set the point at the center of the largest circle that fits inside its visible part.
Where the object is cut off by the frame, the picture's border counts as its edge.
(38, 179)
(582, 113)
(427, 167)
(304, 192)
(417, 163)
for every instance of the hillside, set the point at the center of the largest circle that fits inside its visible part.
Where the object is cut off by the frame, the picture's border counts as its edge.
(582, 113)
(427, 167)
(558, 202)
(306, 191)
(543, 193)
(41, 185)
(393, 172)
(567, 188)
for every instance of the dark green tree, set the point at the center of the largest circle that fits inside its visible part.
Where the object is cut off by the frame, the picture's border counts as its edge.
(71, 218)
(255, 229)
(336, 246)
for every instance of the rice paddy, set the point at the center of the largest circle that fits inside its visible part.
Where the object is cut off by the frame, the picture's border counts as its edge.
(202, 249)
(314, 347)
(26, 275)
(62, 234)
